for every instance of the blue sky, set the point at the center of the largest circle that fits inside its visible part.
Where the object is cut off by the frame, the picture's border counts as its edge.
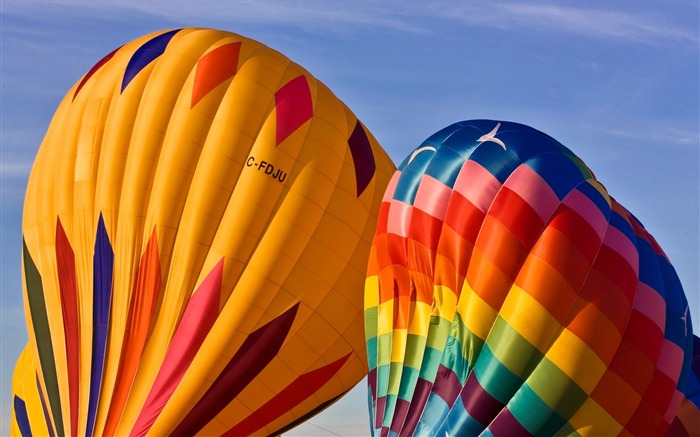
(616, 82)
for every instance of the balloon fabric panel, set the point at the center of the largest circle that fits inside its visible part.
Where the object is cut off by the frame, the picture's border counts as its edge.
(197, 227)
(29, 414)
(508, 293)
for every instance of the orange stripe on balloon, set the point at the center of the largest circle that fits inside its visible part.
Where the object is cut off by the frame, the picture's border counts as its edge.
(420, 265)
(616, 396)
(393, 250)
(65, 263)
(549, 287)
(143, 299)
(452, 259)
(688, 416)
(586, 321)
(557, 250)
(215, 68)
(503, 248)
(487, 280)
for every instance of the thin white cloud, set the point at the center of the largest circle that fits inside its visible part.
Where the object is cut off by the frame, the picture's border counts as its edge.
(411, 16)
(308, 14)
(15, 169)
(596, 22)
(668, 135)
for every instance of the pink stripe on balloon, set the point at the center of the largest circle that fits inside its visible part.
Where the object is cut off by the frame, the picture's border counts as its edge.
(399, 219)
(670, 359)
(587, 209)
(391, 188)
(620, 243)
(650, 303)
(477, 185)
(432, 197)
(197, 320)
(534, 190)
(673, 406)
(257, 351)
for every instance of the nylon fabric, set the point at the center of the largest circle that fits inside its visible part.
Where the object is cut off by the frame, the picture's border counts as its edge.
(192, 188)
(553, 311)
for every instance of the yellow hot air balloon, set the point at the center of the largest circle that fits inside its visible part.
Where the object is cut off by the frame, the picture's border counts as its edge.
(26, 403)
(196, 232)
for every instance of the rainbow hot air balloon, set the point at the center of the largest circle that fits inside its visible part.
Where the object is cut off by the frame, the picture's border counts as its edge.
(509, 294)
(196, 232)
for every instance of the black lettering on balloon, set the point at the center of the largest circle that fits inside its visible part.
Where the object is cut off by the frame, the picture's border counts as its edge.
(267, 168)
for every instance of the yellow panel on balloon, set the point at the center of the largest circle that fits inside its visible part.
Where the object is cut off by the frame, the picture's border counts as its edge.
(198, 218)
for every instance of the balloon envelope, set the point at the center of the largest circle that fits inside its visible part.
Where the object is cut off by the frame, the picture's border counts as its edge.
(196, 231)
(509, 294)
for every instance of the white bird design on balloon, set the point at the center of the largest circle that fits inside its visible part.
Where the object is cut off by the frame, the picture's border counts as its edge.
(491, 136)
(685, 320)
(417, 151)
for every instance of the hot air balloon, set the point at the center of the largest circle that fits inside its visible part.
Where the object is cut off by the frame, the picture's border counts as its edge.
(196, 232)
(508, 294)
